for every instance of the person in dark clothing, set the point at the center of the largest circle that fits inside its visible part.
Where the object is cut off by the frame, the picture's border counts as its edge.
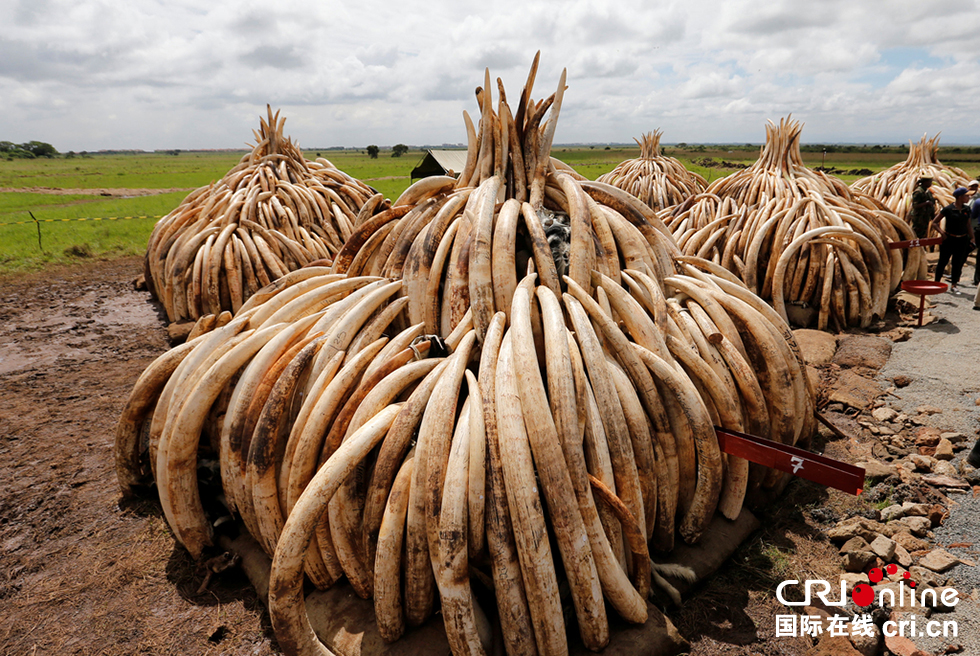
(974, 206)
(923, 207)
(958, 239)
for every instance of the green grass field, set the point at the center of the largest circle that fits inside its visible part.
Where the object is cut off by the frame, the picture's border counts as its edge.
(73, 227)
(136, 171)
(108, 229)
(69, 229)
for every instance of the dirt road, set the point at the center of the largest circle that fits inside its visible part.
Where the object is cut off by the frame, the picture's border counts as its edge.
(80, 573)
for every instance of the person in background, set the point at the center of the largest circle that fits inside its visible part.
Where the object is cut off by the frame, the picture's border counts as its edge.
(958, 239)
(923, 207)
(975, 222)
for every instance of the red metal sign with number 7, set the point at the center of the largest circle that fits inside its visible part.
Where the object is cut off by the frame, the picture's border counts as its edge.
(912, 243)
(792, 460)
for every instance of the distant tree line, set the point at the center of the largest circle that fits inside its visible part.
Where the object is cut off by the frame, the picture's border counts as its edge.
(396, 151)
(29, 150)
(877, 148)
(893, 149)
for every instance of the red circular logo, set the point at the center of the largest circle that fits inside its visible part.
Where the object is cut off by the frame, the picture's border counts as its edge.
(863, 595)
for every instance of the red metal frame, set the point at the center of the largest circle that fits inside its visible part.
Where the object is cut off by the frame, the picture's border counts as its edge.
(792, 460)
(912, 243)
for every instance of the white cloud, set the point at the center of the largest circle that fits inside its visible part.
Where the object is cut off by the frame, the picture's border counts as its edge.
(186, 74)
(712, 84)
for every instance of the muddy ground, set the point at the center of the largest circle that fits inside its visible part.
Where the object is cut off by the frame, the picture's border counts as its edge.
(83, 573)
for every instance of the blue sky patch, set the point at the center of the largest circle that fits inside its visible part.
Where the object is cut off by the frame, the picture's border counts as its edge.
(902, 58)
(894, 61)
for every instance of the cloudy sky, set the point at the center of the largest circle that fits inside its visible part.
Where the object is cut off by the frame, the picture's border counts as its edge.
(149, 74)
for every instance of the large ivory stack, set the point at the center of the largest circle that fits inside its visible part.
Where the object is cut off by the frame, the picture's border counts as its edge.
(802, 240)
(894, 185)
(657, 180)
(272, 213)
(425, 432)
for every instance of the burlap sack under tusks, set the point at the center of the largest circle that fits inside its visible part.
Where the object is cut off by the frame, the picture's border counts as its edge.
(272, 213)
(425, 436)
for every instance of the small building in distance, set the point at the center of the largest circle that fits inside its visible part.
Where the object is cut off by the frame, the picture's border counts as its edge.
(440, 162)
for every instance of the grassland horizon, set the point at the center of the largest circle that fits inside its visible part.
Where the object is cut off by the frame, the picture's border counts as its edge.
(53, 211)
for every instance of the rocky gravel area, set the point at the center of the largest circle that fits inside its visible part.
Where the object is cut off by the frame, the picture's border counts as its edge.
(942, 363)
(911, 397)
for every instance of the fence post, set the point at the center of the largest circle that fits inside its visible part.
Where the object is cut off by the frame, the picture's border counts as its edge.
(38, 224)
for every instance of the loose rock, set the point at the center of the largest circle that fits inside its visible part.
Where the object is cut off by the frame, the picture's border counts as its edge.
(856, 527)
(854, 391)
(883, 547)
(854, 544)
(925, 577)
(938, 560)
(916, 509)
(945, 481)
(970, 474)
(178, 332)
(816, 346)
(906, 474)
(937, 514)
(824, 515)
(863, 351)
(944, 450)
(858, 561)
(918, 526)
(902, 556)
(851, 579)
(884, 414)
(902, 646)
(955, 438)
(946, 469)
(921, 462)
(895, 511)
(927, 436)
(907, 541)
(835, 646)
(876, 469)
(867, 645)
